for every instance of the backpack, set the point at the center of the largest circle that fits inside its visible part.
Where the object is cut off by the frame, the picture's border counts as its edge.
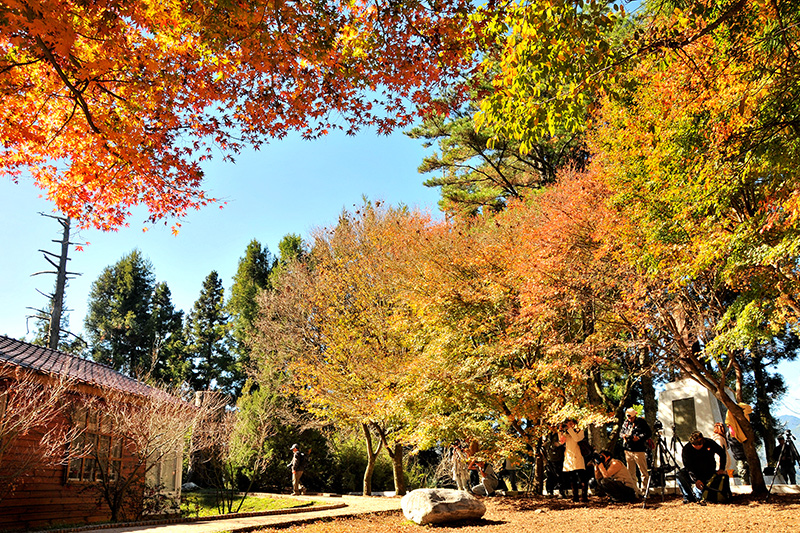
(302, 461)
(718, 489)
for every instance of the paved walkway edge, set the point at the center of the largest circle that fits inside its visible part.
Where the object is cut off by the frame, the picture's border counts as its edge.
(306, 508)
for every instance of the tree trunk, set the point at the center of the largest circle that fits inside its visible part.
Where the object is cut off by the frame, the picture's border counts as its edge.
(397, 469)
(371, 456)
(756, 476)
(538, 475)
(596, 435)
(397, 462)
(648, 391)
(61, 284)
(763, 405)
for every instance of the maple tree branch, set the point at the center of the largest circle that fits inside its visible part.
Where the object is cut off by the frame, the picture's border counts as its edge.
(7, 68)
(57, 133)
(680, 43)
(77, 94)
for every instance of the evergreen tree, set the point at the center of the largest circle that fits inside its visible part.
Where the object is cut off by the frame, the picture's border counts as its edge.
(291, 248)
(208, 338)
(477, 172)
(118, 320)
(252, 277)
(170, 363)
(764, 389)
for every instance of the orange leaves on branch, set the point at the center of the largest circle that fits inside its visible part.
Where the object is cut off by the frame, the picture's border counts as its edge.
(112, 104)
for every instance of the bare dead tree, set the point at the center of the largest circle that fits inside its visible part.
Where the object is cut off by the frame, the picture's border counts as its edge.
(53, 316)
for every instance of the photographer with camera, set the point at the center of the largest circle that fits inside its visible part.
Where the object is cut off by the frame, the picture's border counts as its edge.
(489, 480)
(574, 465)
(635, 433)
(613, 478)
(785, 457)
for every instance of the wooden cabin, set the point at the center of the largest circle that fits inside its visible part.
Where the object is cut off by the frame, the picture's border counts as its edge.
(67, 489)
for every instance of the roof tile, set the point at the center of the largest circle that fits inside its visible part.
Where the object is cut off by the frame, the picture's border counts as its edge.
(53, 362)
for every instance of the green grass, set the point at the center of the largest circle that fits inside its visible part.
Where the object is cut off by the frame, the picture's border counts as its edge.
(204, 503)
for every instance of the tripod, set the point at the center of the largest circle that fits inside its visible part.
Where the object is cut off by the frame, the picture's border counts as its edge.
(663, 463)
(787, 450)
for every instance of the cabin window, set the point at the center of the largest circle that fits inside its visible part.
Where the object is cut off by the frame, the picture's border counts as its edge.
(95, 452)
(165, 473)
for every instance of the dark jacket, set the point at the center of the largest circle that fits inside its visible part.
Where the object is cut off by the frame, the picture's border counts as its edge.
(639, 428)
(737, 449)
(554, 450)
(298, 463)
(701, 463)
(788, 456)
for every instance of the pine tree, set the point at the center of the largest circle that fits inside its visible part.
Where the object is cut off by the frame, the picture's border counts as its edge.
(252, 277)
(208, 338)
(118, 321)
(170, 363)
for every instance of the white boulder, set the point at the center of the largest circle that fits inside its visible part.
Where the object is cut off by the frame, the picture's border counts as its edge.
(434, 506)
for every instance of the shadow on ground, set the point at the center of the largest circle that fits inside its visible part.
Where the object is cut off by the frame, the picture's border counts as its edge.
(533, 503)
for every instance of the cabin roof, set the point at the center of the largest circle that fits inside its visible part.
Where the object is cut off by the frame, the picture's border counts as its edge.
(56, 363)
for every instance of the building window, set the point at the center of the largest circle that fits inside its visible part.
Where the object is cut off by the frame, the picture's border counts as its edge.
(684, 418)
(3, 402)
(164, 474)
(94, 452)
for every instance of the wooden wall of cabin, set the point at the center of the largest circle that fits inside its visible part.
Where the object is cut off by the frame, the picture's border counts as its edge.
(44, 498)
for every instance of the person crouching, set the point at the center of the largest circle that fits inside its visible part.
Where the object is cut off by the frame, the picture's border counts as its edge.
(613, 478)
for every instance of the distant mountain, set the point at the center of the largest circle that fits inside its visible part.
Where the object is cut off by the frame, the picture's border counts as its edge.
(792, 423)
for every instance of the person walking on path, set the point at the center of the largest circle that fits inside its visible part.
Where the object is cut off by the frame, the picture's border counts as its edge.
(298, 465)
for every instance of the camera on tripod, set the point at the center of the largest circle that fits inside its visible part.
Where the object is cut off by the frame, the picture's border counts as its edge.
(658, 426)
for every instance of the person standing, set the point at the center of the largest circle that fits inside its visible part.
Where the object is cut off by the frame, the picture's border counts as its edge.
(635, 432)
(736, 439)
(554, 469)
(460, 471)
(574, 465)
(298, 465)
(720, 436)
(474, 476)
(508, 472)
(785, 458)
(737, 452)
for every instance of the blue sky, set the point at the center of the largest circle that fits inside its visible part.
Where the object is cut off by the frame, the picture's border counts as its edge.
(289, 186)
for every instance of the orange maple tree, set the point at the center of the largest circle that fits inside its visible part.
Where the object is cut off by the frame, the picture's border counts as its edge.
(109, 104)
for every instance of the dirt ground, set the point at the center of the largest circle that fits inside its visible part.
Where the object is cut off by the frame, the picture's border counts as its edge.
(780, 513)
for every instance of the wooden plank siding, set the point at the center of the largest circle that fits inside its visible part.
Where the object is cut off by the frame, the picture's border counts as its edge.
(44, 498)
